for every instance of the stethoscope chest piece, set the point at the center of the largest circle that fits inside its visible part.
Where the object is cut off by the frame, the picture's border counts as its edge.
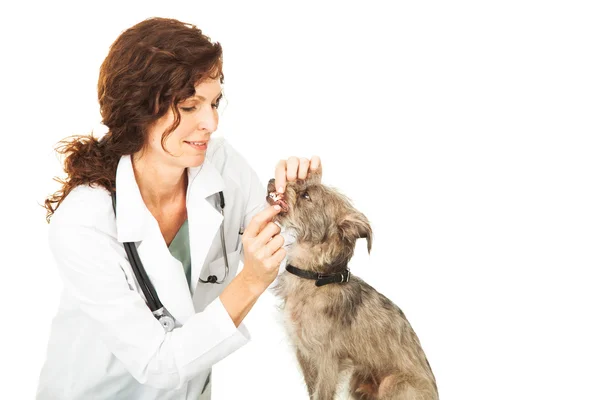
(167, 322)
(165, 319)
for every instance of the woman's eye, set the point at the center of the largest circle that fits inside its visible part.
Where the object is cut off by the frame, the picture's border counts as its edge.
(188, 109)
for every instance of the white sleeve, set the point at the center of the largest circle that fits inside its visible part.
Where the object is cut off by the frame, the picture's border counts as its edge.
(89, 262)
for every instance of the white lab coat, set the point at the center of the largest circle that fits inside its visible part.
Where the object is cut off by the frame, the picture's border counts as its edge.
(104, 342)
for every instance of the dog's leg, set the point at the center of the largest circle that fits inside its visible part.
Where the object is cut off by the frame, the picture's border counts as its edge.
(362, 386)
(309, 371)
(396, 387)
(327, 378)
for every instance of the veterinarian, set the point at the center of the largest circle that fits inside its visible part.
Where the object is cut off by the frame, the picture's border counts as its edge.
(150, 224)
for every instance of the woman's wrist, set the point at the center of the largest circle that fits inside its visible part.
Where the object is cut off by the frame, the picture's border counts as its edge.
(240, 295)
(255, 286)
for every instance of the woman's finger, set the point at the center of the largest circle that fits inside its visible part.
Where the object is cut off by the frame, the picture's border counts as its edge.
(274, 245)
(270, 230)
(277, 257)
(280, 176)
(292, 169)
(303, 168)
(258, 222)
(315, 164)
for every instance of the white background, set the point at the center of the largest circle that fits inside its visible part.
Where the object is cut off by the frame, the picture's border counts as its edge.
(466, 131)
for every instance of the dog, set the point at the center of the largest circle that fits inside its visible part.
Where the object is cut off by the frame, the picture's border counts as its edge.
(336, 321)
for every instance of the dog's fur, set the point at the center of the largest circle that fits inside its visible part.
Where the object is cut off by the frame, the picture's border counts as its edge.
(343, 326)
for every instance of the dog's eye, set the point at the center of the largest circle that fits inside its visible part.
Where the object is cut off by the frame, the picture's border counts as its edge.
(305, 195)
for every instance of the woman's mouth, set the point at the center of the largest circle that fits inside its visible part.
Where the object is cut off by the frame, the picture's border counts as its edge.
(198, 145)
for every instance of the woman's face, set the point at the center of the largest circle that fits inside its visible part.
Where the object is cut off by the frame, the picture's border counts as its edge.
(199, 119)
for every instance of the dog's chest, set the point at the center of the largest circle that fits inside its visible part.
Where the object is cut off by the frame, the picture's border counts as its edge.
(306, 320)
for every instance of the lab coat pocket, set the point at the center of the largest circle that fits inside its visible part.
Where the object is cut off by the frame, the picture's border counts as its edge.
(218, 266)
(206, 292)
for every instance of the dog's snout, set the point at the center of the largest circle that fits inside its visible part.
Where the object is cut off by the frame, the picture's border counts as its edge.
(275, 198)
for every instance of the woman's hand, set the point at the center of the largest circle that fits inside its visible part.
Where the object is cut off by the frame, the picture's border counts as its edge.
(294, 168)
(262, 249)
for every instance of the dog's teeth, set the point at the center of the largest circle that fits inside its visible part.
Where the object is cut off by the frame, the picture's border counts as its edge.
(275, 196)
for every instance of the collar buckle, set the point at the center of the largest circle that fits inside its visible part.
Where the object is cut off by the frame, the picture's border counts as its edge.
(345, 275)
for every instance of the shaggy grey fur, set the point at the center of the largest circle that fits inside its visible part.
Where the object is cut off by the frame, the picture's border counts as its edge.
(343, 326)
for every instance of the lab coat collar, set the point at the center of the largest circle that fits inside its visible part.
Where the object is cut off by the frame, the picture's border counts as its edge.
(134, 218)
(131, 214)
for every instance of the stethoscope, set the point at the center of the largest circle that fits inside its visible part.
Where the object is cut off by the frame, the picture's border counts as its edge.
(158, 310)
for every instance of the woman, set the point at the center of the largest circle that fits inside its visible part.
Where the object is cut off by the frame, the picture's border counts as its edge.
(159, 90)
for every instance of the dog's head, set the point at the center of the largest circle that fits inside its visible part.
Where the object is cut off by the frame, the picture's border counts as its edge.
(324, 222)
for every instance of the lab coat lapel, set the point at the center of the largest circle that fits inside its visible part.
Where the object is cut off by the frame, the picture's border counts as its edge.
(204, 220)
(132, 215)
(135, 223)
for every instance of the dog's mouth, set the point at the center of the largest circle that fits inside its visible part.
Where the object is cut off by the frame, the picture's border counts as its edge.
(277, 198)
(274, 198)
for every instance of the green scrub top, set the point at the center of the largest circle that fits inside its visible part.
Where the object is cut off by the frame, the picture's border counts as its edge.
(180, 249)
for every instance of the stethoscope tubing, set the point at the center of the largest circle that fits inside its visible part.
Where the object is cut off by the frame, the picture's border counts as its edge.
(213, 278)
(152, 299)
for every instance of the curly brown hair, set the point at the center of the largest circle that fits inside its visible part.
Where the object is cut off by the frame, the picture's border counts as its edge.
(149, 69)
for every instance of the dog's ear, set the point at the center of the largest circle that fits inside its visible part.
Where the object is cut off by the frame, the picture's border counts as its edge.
(355, 226)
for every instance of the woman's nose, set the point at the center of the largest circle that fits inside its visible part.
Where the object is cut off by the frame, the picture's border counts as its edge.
(208, 119)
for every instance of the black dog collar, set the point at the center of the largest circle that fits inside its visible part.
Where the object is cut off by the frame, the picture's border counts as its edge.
(321, 279)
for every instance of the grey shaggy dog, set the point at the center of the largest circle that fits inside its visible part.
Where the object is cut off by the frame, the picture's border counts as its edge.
(336, 321)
